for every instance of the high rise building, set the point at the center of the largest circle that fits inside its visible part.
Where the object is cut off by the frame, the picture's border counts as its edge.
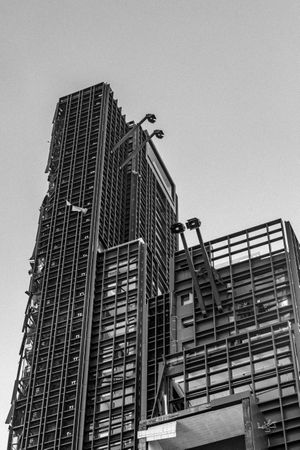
(130, 343)
(102, 249)
(227, 377)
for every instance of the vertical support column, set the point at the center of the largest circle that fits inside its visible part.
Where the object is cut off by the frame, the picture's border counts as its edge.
(293, 263)
(173, 308)
(144, 337)
(295, 344)
(160, 391)
(91, 276)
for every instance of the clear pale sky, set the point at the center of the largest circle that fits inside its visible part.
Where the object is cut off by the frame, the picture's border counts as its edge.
(223, 78)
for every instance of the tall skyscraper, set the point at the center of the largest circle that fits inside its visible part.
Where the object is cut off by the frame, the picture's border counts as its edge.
(130, 343)
(102, 249)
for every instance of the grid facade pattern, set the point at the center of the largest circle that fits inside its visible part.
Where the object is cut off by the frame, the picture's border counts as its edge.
(294, 258)
(74, 323)
(115, 365)
(48, 395)
(158, 344)
(151, 208)
(262, 362)
(253, 344)
(253, 280)
(113, 181)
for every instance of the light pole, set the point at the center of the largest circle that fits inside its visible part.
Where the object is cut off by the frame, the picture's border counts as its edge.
(179, 228)
(194, 224)
(149, 117)
(158, 133)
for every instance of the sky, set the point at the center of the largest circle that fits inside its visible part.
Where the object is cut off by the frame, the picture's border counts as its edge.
(222, 77)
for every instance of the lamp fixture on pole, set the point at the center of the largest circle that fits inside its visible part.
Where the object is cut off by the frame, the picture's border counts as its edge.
(158, 133)
(194, 224)
(179, 228)
(149, 117)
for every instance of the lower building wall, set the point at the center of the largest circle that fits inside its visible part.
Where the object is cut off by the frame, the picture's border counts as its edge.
(236, 443)
(262, 361)
(115, 370)
(154, 446)
(233, 422)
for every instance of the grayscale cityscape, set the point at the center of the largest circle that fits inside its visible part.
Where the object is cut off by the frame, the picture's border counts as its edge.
(130, 343)
(150, 225)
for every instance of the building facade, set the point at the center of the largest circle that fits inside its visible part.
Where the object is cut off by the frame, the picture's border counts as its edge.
(131, 344)
(228, 378)
(95, 216)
